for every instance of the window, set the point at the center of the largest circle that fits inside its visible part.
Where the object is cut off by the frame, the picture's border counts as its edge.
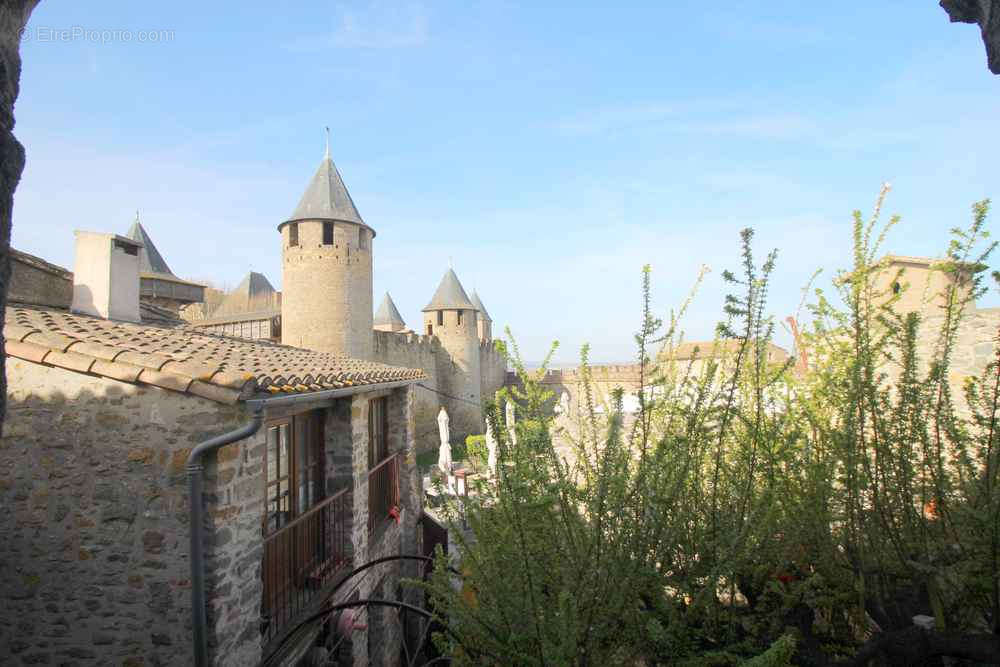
(383, 468)
(293, 234)
(362, 238)
(430, 329)
(378, 440)
(440, 318)
(327, 233)
(293, 460)
(459, 317)
(127, 248)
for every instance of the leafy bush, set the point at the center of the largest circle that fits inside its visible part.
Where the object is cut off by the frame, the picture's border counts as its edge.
(749, 511)
(475, 446)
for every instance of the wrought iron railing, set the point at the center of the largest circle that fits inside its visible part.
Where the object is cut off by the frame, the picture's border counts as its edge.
(383, 492)
(303, 558)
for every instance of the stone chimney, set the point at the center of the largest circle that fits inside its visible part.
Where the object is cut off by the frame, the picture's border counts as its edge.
(106, 276)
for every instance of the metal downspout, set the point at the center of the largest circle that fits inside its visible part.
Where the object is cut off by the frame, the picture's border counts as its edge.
(195, 472)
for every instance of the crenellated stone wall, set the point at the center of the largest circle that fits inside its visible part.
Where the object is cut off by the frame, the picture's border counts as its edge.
(427, 353)
(414, 351)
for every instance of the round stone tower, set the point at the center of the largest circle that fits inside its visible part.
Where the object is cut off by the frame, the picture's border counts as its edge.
(326, 259)
(451, 316)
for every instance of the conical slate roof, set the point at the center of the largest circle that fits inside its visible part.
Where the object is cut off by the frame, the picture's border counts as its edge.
(150, 259)
(327, 198)
(450, 295)
(477, 302)
(388, 314)
(254, 294)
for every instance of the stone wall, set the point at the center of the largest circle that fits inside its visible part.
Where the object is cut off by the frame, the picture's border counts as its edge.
(33, 280)
(428, 354)
(96, 542)
(459, 374)
(327, 289)
(493, 367)
(414, 351)
(985, 13)
(390, 537)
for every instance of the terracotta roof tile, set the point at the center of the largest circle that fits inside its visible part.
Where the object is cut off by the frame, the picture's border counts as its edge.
(165, 380)
(15, 331)
(70, 360)
(116, 371)
(27, 351)
(183, 358)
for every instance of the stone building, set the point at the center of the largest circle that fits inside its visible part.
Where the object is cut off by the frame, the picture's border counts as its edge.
(150, 466)
(326, 305)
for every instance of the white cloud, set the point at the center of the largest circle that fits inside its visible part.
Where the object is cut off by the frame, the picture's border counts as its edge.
(376, 25)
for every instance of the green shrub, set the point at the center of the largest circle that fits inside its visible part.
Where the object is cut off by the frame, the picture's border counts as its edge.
(478, 453)
(748, 512)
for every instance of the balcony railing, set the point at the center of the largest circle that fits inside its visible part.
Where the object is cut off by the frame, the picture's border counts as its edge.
(383, 492)
(302, 559)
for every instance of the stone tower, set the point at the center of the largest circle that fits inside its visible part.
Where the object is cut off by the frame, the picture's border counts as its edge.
(920, 283)
(451, 317)
(484, 323)
(326, 259)
(388, 318)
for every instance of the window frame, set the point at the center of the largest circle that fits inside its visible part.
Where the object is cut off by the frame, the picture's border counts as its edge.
(376, 424)
(293, 234)
(300, 471)
(328, 232)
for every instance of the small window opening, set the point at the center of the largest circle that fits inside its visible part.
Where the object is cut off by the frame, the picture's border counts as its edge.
(127, 248)
(293, 234)
(430, 329)
(440, 318)
(459, 317)
(362, 238)
(327, 233)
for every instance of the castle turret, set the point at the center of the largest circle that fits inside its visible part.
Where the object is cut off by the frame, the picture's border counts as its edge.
(157, 283)
(326, 301)
(451, 317)
(388, 318)
(484, 323)
(920, 284)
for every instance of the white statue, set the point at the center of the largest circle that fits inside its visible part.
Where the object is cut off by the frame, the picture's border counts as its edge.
(510, 422)
(444, 452)
(491, 448)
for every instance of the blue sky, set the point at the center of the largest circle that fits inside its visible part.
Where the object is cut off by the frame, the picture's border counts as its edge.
(548, 150)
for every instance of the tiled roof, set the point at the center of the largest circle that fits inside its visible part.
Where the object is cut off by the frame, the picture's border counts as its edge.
(254, 294)
(184, 359)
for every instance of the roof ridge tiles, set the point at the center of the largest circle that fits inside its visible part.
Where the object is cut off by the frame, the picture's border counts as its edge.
(215, 367)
